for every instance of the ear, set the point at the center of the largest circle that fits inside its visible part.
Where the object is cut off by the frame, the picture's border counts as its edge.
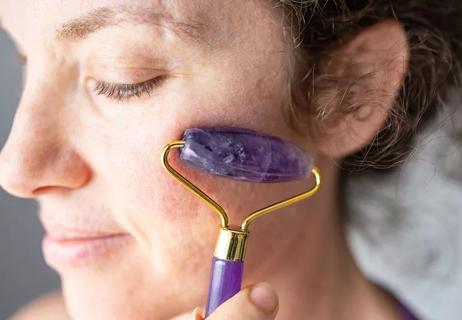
(374, 62)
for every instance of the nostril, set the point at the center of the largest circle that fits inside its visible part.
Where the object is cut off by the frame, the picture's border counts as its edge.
(46, 190)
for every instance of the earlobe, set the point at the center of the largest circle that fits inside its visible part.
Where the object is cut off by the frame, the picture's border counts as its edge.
(371, 67)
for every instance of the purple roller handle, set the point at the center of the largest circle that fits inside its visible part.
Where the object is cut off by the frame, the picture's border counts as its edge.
(225, 282)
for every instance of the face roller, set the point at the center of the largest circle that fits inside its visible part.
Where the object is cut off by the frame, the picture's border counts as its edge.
(243, 155)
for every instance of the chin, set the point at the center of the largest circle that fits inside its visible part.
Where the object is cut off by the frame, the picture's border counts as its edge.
(102, 297)
(133, 287)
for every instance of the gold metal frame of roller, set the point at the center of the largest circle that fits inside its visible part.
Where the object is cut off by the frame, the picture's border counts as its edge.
(218, 209)
(231, 244)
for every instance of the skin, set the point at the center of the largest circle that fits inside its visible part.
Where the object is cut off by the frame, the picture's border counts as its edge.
(92, 161)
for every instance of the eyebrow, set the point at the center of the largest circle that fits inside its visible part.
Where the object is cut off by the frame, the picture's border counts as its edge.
(79, 28)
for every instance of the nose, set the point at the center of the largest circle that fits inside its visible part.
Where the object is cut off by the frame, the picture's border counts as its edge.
(37, 157)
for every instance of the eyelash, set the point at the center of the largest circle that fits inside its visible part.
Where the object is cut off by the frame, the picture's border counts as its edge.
(123, 91)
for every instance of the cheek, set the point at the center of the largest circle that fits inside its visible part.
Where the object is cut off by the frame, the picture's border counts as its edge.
(153, 194)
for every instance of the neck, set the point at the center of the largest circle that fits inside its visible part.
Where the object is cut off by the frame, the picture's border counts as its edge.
(312, 268)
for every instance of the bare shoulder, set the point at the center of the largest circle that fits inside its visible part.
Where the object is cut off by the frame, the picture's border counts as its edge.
(50, 306)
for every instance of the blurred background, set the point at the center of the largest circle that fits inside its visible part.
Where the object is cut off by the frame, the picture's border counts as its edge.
(23, 273)
(404, 227)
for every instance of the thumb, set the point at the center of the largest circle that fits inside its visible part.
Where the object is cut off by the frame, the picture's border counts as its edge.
(258, 302)
(195, 315)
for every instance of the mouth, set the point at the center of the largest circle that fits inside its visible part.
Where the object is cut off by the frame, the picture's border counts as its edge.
(64, 248)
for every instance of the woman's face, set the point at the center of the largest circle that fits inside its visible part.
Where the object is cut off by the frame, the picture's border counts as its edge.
(86, 140)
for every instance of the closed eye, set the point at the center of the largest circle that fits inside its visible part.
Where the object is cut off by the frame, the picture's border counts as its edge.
(125, 91)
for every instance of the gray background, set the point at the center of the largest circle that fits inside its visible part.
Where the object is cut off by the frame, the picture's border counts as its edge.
(23, 273)
(405, 230)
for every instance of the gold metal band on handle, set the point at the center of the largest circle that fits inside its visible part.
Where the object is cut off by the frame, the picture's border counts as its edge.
(231, 242)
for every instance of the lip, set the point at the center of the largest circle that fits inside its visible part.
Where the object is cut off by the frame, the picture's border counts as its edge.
(64, 249)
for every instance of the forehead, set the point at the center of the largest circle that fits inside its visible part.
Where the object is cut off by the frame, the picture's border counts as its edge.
(196, 17)
(66, 16)
(68, 8)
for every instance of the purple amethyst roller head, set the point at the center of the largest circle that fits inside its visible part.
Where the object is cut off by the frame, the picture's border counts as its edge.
(244, 154)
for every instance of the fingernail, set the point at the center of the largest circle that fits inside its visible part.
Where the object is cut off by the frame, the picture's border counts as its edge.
(197, 314)
(264, 297)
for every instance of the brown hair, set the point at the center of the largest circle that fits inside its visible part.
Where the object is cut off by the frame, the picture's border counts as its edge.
(433, 28)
